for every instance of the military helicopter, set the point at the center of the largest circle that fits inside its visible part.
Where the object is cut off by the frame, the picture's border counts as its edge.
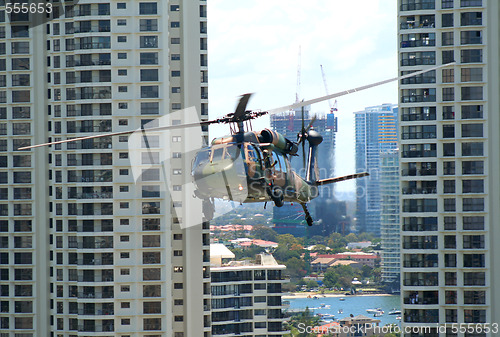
(254, 166)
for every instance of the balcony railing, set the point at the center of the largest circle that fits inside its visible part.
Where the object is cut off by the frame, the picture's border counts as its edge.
(412, 190)
(417, 25)
(415, 172)
(412, 6)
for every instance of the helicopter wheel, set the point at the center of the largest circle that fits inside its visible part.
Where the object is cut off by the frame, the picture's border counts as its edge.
(276, 194)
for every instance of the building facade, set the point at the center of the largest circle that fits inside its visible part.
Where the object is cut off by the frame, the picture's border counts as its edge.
(86, 247)
(449, 158)
(390, 221)
(246, 297)
(375, 133)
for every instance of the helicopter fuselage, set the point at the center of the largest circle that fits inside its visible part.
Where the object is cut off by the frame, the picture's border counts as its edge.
(248, 167)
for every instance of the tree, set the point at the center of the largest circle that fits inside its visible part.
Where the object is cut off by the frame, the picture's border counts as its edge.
(351, 238)
(311, 284)
(264, 233)
(331, 278)
(287, 240)
(295, 268)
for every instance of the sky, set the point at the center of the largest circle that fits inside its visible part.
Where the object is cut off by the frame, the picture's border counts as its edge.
(253, 47)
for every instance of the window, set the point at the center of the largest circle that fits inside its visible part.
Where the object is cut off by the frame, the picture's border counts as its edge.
(448, 94)
(472, 130)
(449, 205)
(474, 279)
(121, 5)
(471, 37)
(471, 3)
(122, 72)
(473, 204)
(122, 105)
(122, 56)
(20, 64)
(122, 39)
(472, 74)
(148, 8)
(472, 111)
(472, 93)
(447, 20)
(152, 307)
(448, 149)
(473, 242)
(150, 91)
(474, 261)
(473, 223)
(148, 25)
(471, 19)
(175, 40)
(447, 56)
(472, 149)
(148, 58)
(21, 80)
(122, 88)
(149, 41)
(149, 74)
(471, 55)
(447, 38)
(20, 47)
(151, 274)
(176, 73)
(151, 290)
(449, 186)
(448, 132)
(473, 167)
(150, 108)
(121, 22)
(448, 76)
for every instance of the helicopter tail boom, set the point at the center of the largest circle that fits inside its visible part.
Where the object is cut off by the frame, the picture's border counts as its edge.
(342, 178)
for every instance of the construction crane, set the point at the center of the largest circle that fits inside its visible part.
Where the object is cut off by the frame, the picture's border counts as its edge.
(331, 120)
(333, 107)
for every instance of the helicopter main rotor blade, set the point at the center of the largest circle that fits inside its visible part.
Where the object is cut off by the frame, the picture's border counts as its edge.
(242, 106)
(159, 128)
(350, 91)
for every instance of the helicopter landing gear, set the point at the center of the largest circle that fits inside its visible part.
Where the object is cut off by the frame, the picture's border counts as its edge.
(309, 218)
(276, 195)
(208, 209)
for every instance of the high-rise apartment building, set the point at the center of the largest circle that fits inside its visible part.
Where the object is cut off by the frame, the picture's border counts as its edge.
(246, 295)
(375, 133)
(84, 249)
(449, 160)
(390, 221)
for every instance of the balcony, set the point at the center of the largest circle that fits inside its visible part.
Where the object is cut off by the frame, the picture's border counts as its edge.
(414, 190)
(418, 98)
(418, 172)
(418, 43)
(418, 5)
(417, 25)
(418, 61)
(96, 294)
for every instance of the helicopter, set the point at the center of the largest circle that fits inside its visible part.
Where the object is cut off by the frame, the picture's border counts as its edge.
(254, 166)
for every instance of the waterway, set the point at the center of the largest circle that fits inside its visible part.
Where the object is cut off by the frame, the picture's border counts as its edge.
(355, 305)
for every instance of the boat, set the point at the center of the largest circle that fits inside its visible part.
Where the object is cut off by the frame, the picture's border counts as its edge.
(315, 297)
(398, 318)
(372, 311)
(340, 311)
(324, 306)
(378, 313)
(395, 312)
(341, 299)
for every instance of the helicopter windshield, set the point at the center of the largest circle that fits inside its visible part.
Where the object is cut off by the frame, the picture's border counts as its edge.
(201, 157)
(232, 151)
(217, 154)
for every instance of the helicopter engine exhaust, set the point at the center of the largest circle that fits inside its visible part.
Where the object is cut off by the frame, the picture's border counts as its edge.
(277, 139)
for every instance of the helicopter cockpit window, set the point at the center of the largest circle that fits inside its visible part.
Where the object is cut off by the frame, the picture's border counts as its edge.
(218, 154)
(282, 163)
(251, 154)
(202, 157)
(232, 152)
